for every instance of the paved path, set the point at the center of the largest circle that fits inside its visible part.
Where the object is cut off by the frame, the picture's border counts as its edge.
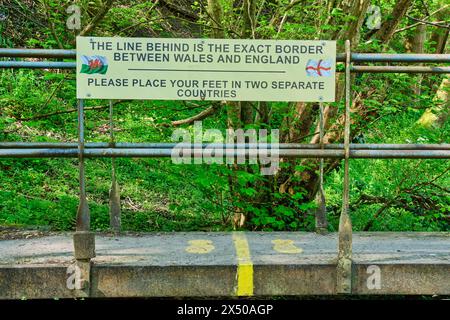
(227, 264)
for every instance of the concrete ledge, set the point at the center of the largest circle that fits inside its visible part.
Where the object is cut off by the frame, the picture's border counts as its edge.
(34, 282)
(209, 264)
(156, 281)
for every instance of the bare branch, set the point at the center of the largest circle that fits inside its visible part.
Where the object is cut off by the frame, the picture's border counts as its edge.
(200, 116)
(47, 115)
(417, 23)
(435, 24)
(102, 12)
(179, 9)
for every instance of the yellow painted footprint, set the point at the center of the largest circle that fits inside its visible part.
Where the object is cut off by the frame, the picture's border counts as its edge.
(200, 246)
(285, 246)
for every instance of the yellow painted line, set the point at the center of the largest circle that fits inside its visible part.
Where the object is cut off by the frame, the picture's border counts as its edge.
(200, 246)
(245, 265)
(285, 246)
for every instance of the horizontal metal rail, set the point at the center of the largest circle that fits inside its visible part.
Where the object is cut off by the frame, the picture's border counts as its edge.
(169, 145)
(198, 153)
(395, 57)
(38, 53)
(37, 65)
(398, 69)
(340, 57)
(354, 69)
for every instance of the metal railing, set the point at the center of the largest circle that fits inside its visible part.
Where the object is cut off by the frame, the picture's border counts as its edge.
(84, 240)
(355, 57)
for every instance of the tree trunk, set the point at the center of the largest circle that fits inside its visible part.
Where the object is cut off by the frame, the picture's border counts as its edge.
(388, 27)
(248, 31)
(215, 14)
(418, 46)
(303, 111)
(440, 35)
(249, 16)
(240, 114)
(351, 30)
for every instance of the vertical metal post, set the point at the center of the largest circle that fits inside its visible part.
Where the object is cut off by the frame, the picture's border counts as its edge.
(114, 192)
(83, 215)
(344, 264)
(321, 214)
(83, 239)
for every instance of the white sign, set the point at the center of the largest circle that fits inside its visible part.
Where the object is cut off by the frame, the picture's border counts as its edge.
(205, 69)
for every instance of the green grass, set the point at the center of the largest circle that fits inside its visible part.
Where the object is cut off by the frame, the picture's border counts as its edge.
(160, 196)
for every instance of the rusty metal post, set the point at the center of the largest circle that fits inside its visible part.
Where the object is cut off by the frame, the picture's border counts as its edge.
(321, 213)
(83, 239)
(344, 263)
(114, 192)
(83, 214)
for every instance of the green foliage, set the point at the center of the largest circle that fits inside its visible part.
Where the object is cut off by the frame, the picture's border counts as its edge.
(415, 190)
(157, 195)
